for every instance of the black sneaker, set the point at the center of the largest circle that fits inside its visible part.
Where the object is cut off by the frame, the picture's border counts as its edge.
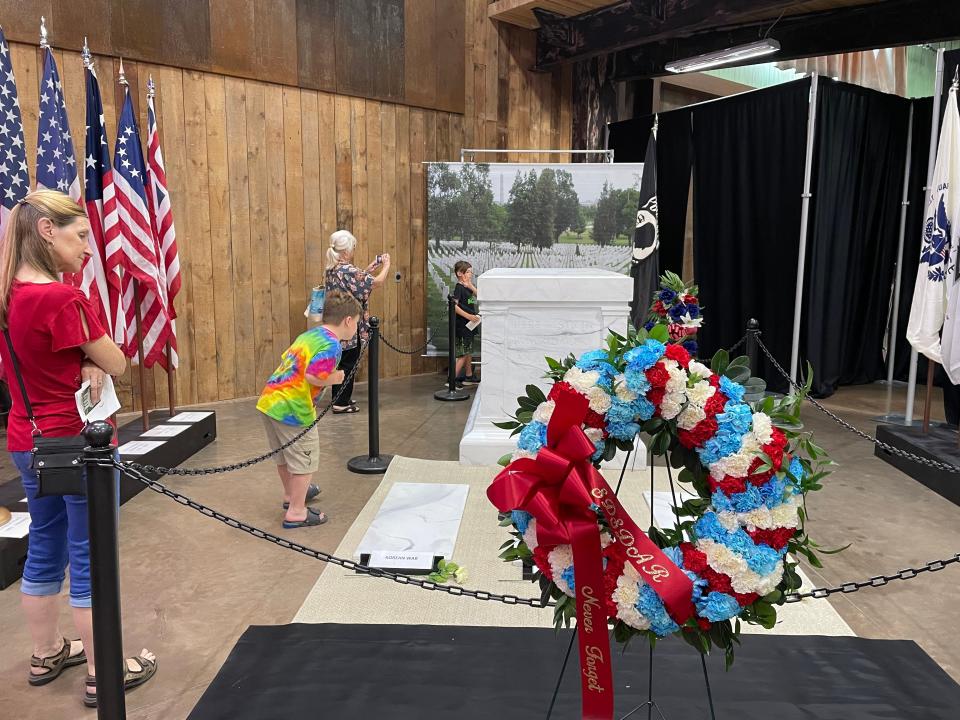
(471, 379)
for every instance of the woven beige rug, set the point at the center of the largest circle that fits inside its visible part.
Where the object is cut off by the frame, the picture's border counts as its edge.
(341, 596)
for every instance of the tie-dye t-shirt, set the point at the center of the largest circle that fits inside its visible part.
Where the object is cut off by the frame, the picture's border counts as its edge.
(288, 397)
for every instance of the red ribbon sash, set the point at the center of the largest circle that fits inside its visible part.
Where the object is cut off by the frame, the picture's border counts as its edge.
(558, 488)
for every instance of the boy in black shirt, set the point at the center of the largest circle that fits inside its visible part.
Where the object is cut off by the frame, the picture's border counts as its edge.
(466, 296)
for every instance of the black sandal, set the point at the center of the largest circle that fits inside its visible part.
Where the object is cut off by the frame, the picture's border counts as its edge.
(313, 518)
(55, 664)
(312, 491)
(131, 678)
(348, 410)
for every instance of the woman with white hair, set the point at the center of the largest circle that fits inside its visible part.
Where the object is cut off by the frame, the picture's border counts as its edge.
(343, 275)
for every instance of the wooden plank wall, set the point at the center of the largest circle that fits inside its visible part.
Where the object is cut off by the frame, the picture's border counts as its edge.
(260, 175)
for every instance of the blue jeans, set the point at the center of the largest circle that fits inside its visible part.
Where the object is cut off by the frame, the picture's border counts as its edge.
(58, 537)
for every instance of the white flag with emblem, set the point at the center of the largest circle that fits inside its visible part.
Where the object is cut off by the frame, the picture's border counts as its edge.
(936, 274)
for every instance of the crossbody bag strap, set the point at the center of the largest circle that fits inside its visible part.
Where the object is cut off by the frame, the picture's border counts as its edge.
(23, 389)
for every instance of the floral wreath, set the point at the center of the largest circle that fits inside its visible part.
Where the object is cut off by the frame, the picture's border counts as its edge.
(731, 558)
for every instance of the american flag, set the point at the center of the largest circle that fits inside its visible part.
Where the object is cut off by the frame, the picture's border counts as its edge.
(138, 255)
(56, 161)
(14, 177)
(102, 288)
(161, 217)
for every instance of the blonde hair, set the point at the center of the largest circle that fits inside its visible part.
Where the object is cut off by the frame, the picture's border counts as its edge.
(341, 241)
(339, 305)
(22, 243)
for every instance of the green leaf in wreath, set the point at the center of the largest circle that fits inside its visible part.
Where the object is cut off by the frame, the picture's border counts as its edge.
(535, 394)
(719, 362)
(659, 333)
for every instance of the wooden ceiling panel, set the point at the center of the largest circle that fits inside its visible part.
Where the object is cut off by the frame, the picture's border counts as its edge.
(520, 12)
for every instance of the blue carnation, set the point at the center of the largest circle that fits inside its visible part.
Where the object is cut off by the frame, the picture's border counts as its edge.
(761, 559)
(521, 520)
(637, 381)
(533, 437)
(623, 430)
(600, 445)
(645, 408)
(567, 576)
(666, 295)
(796, 469)
(718, 606)
(651, 606)
(597, 360)
(732, 390)
(621, 411)
(644, 356)
(678, 311)
(773, 491)
(690, 346)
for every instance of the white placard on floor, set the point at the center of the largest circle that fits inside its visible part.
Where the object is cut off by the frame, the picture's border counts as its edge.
(139, 447)
(164, 431)
(18, 526)
(189, 417)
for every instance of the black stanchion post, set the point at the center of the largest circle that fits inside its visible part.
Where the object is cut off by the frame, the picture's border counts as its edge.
(753, 329)
(102, 515)
(451, 393)
(373, 463)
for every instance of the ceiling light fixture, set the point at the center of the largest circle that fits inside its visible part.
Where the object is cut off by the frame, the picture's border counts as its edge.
(723, 57)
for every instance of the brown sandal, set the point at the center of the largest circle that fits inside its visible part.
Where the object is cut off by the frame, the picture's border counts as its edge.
(131, 678)
(55, 664)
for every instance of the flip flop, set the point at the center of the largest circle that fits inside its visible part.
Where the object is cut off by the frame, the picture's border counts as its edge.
(313, 518)
(348, 410)
(55, 664)
(312, 491)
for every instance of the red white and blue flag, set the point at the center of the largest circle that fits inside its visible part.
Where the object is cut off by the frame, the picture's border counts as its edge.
(102, 287)
(161, 217)
(56, 160)
(138, 255)
(14, 176)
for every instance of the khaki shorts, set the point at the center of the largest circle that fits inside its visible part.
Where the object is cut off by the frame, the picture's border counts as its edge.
(301, 458)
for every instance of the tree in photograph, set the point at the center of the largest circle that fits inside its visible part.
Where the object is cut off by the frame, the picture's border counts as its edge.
(474, 203)
(521, 215)
(568, 206)
(443, 189)
(607, 218)
(629, 199)
(545, 209)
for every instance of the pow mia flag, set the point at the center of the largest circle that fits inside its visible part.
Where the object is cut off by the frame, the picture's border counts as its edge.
(645, 268)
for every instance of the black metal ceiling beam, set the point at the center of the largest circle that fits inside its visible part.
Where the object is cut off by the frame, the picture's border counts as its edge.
(635, 22)
(888, 24)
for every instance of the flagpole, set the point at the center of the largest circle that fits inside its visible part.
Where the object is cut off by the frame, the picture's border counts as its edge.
(931, 164)
(804, 221)
(171, 384)
(145, 411)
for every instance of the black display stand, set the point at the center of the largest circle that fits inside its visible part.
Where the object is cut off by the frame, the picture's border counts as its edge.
(939, 444)
(173, 452)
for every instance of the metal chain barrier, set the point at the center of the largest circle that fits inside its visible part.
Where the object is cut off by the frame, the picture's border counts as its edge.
(737, 345)
(256, 532)
(877, 581)
(393, 347)
(159, 470)
(886, 447)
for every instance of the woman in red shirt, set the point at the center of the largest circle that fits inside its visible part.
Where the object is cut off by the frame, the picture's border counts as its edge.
(59, 342)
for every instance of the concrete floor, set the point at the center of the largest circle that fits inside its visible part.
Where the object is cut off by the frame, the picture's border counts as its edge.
(191, 586)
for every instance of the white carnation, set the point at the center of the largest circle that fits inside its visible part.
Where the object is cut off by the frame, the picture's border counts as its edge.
(599, 400)
(632, 617)
(698, 368)
(700, 393)
(518, 454)
(762, 428)
(670, 407)
(544, 412)
(580, 380)
(622, 391)
(593, 434)
(689, 418)
(678, 380)
(530, 536)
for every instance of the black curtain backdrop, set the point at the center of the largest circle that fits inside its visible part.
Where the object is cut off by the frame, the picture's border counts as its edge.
(628, 140)
(748, 163)
(859, 160)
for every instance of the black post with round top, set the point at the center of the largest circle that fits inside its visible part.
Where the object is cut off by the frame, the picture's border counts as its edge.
(451, 393)
(373, 463)
(103, 518)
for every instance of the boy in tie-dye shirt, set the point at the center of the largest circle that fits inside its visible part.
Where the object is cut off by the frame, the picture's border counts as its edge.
(288, 405)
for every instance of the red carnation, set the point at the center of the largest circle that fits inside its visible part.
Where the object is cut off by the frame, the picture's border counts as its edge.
(698, 436)
(744, 599)
(659, 308)
(714, 406)
(540, 559)
(777, 538)
(678, 353)
(657, 375)
(655, 396)
(693, 560)
(703, 624)
(714, 380)
(729, 485)
(594, 420)
(690, 300)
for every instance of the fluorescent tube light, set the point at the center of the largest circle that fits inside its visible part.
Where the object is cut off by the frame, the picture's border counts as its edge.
(722, 57)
